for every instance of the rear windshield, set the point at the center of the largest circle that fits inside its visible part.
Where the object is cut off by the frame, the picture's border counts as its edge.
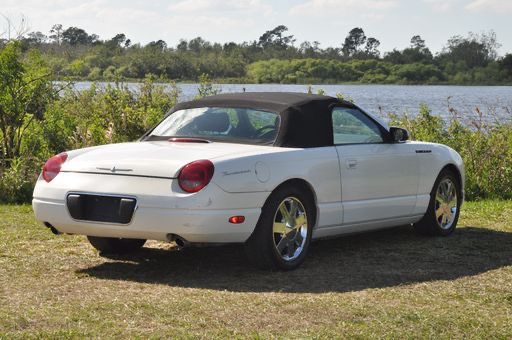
(238, 125)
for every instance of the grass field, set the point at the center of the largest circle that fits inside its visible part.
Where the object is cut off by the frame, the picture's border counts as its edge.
(390, 284)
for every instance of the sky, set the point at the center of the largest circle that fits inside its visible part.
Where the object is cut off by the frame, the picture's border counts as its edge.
(393, 22)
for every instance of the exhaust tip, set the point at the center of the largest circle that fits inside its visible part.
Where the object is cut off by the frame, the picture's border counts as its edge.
(52, 228)
(180, 241)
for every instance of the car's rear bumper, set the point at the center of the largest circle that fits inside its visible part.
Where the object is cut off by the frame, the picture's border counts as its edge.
(200, 217)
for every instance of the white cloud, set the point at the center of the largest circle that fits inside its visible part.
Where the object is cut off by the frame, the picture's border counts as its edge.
(191, 6)
(227, 6)
(216, 17)
(490, 5)
(196, 24)
(373, 16)
(326, 6)
(441, 5)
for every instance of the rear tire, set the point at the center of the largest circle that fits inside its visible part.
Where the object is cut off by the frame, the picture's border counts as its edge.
(109, 245)
(282, 236)
(443, 210)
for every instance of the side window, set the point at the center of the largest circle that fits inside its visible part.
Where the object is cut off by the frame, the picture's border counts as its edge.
(351, 126)
(262, 119)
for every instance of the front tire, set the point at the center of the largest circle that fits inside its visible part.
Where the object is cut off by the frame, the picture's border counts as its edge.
(109, 245)
(443, 211)
(282, 236)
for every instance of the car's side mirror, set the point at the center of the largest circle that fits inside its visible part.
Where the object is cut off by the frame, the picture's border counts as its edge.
(398, 135)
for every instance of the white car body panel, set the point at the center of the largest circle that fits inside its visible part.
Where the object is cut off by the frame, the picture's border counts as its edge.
(380, 181)
(156, 159)
(197, 218)
(319, 167)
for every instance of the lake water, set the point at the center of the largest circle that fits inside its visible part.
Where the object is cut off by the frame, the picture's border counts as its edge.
(382, 99)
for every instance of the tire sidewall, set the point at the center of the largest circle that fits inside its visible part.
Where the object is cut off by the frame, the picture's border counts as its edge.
(446, 174)
(266, 224)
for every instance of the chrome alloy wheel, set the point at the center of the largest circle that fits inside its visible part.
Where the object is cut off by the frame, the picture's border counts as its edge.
(446, 203)
(290, 228)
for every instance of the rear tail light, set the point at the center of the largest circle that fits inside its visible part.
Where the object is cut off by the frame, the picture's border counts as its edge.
(52, 166)
(195, 176)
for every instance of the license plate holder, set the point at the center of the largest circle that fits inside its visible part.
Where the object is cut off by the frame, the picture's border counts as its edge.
(101, 208)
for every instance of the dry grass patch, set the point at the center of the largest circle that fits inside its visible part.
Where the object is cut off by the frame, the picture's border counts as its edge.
(385, 284)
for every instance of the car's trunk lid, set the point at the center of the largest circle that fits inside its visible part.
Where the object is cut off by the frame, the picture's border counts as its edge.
(149, 159)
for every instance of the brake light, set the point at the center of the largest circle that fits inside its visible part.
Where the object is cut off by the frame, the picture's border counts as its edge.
(52, 166)
(195, 176)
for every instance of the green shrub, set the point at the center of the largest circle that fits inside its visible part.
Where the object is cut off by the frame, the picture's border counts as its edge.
(84, 118)
(112, 114)
(206, 87)
(17, 182)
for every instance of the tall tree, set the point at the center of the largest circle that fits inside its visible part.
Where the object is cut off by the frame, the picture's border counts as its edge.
(182, 45)
(470, 50)
(372, 48)
(118, 39)
(353, 41)
(160, 45)
(275, 38)
(56, 33)
(198, 44)
(505, 64)
(36, 38)
(78, 36)
(310, 50)
(490, 41)
(417, 42)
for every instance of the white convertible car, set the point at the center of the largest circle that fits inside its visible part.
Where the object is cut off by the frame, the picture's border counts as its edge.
(271, 170)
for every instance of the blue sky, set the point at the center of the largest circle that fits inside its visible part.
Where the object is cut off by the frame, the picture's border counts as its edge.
(393, 22)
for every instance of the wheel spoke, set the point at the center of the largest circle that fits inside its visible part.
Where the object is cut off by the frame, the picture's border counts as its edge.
(452, 205)
(439, 197)
(449, 215)
(282, 244)
(453, 199)
(439, 212)
(448, 190)
(293, 210)
(291, 248)
(280, 228)
(300, 221)
(445, 192)
(299, 238)
(284, 212)
(449, 196)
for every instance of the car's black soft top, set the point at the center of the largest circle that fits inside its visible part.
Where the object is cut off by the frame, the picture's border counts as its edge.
(305, 118)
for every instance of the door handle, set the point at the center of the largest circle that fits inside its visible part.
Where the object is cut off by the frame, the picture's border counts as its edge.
(351, 163)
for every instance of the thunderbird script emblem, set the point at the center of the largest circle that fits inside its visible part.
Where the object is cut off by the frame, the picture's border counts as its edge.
(114, 169)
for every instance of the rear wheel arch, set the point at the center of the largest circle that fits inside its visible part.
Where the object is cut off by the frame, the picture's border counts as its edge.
(306, 187)
(284, 230)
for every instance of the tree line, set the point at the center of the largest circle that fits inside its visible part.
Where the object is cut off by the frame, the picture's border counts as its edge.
(72, 53)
